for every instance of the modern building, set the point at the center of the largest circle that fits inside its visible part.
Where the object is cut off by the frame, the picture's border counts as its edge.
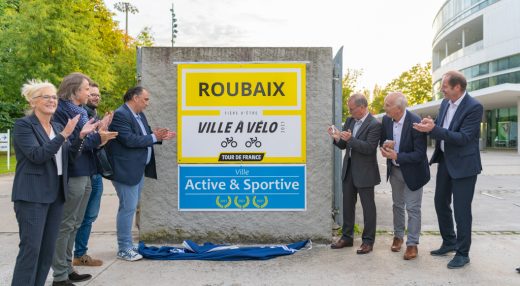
(481, 38)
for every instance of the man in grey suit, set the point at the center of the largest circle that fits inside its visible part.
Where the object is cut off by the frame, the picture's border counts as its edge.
(359, 138)
(407, 170)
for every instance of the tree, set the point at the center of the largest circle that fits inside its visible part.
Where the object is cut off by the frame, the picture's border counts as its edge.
(50, 39)
(145, 38)
(349, 84)
(377, 102)
(416, 84)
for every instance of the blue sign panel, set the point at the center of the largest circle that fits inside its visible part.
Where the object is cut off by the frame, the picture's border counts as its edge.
(242, 187)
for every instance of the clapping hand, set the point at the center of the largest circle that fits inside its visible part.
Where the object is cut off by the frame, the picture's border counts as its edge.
(345, 135)
(89, 127)
(426, 125)
(105, 122)
(333, 132)
(163, 134)
(106, 136)
(69, 128)
(388, 152)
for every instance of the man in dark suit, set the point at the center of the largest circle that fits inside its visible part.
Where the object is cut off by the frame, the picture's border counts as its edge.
(457, 131)
(359, 138)
(131, 156)
(407, 170)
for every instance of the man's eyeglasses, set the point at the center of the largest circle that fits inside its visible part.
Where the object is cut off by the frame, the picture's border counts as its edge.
(47, 97)
(352, 109)
(94, 95)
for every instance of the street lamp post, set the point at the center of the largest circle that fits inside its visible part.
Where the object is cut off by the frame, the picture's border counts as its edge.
(126, 7)
(174, 26)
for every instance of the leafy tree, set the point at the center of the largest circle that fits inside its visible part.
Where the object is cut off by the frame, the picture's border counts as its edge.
(416, 84)
(377, 102)
(145, 38)
(349, 83)
(125, 68)
(50, 39)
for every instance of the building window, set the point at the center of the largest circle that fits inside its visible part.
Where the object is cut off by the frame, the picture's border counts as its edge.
(502, 128)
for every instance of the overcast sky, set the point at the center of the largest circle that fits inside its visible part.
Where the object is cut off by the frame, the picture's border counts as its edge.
(383, 38)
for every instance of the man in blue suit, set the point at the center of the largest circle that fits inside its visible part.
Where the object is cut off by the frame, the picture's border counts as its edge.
(131, 156)
(457, 131)
(407, 170)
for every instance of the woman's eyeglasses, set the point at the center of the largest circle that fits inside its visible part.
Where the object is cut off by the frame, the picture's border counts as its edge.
(47, 97)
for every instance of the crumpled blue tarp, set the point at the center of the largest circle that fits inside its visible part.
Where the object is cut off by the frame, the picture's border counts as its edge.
(221, 252)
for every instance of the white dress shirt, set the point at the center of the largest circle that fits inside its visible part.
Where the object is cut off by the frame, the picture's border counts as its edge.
(452, 108)
(58, 155)
(398, 130)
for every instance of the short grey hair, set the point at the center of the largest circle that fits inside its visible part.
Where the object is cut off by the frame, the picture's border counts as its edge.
(359, 99)
(400, 99)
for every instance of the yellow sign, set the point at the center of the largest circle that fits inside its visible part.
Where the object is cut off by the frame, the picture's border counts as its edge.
(230, 112)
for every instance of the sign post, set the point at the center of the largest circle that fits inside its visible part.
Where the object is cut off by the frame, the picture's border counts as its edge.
(246, 123)
(5, 146)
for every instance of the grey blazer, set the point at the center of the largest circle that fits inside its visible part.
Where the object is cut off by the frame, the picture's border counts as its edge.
(363, 149)
(36, 178)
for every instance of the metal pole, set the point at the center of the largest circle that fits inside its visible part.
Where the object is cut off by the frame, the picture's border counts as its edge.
(126, 23)
(173, 22)
(8, 149)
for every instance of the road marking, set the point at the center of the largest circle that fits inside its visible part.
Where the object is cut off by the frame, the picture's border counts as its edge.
(489, 195)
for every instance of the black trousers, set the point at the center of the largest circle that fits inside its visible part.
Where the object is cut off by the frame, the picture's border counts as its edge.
(366, 195)
(38, 224)
(462, 191)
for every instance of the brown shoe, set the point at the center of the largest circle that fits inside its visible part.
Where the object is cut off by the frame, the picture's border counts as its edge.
(411, 252)
(86, 260)
(364, 248)
(343, 242)
(396, 245)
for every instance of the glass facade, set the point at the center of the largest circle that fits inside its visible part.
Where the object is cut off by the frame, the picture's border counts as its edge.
(455, 10)
(501, 128)
(496, 66)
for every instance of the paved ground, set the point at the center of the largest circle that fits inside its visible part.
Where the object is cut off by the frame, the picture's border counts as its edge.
(495, 251)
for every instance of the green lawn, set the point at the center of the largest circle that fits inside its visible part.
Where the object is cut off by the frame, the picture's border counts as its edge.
(3, 163)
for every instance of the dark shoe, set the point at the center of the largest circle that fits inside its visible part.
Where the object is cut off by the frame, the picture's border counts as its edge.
(411, 252)
(518, 270)
(443, 250)
(396, 245)
(458, 261)
(62, 283)
(364, 248)
(75, 277)
(343, 242)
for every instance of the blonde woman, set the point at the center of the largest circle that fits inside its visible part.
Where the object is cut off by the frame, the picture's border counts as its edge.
(40, 181)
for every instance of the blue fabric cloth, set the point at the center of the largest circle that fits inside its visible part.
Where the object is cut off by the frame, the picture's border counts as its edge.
(219, 252)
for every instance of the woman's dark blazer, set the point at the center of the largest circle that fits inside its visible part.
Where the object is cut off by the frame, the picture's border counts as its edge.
(36, 178)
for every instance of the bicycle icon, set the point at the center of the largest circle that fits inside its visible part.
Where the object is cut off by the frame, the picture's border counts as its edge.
(229, 141)
(254, 141)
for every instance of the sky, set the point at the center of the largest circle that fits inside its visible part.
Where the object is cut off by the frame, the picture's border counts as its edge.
(380, 37)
